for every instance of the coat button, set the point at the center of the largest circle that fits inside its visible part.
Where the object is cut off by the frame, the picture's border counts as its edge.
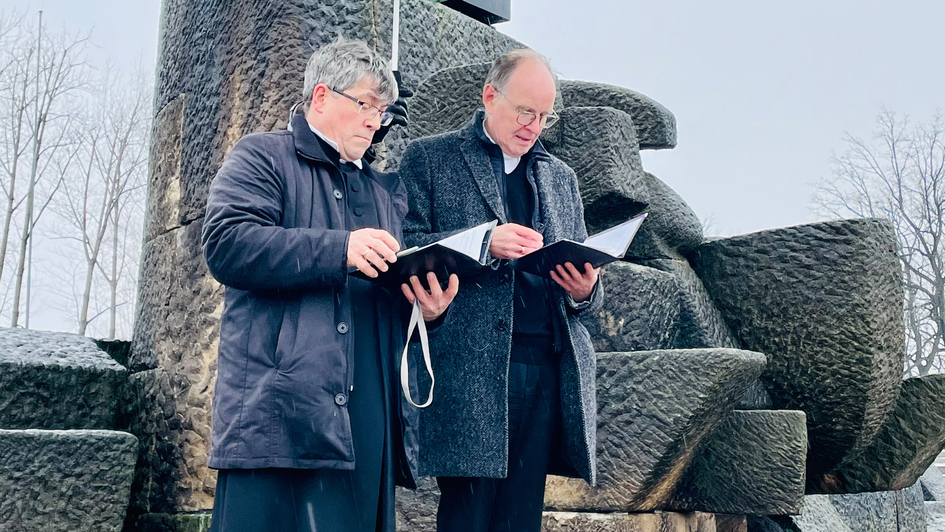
(341, 399)
(358, 211)
(338, 194)
(342, 327)
(355, 187)
(501, 325)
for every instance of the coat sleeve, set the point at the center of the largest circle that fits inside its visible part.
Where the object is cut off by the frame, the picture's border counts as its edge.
(597, 296)
(417, 173)
(244, 244)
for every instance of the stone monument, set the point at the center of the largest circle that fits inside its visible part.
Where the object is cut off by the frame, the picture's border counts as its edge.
(744, 383)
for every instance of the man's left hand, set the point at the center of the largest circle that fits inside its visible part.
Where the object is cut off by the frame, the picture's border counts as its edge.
(435, 301)
(578, 285)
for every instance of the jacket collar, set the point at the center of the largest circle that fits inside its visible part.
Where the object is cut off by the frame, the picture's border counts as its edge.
(306, 143)
(475, 147)
(473, 130)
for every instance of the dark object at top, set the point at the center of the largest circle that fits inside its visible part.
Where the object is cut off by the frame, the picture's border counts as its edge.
(487, 11)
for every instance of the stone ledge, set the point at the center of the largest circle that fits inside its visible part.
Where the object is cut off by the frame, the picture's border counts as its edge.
(65, 480)
(56, 381)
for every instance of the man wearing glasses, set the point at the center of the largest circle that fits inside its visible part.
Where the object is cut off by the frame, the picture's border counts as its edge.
(515, 367)
(310, 431)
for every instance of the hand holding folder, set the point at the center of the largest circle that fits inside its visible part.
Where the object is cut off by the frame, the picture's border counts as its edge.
(602, 248)
(460, 253)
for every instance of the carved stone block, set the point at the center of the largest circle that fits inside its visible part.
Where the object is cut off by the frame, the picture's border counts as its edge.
(908, 443)
(656, 305)
(52, 380)
(752, 464)
(65, 480)
(654, 410)
(655, 125)
(824, 303)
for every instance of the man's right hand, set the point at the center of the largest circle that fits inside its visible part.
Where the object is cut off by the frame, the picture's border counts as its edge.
(513, 241)
(369, 250)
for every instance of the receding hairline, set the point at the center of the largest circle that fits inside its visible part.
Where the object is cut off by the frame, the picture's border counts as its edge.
(508, 63)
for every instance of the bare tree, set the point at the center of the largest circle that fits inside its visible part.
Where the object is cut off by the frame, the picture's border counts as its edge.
(43, 73)
(100, 203)
(900, 175)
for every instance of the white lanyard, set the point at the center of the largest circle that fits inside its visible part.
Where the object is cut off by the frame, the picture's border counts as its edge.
(416, 322)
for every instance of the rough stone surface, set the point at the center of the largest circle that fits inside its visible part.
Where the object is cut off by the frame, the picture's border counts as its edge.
(51, 380)
(824, 303)
(672, 230)
(651, 522)
(912, 436)
(151, 409)
(752, 464)
(655, 125)
(65, 480)
(196, 522)
(163, 208)
(934, 507)
(599, 143)
(656, 305)
(654, 410)
(933, 484)
(756, 398)
(225, 70)
(883, 511)
(177, 330)
(935, 522)
(818, 515)
(446, 100)
(118, 350)
(416, 509)
(731, 523)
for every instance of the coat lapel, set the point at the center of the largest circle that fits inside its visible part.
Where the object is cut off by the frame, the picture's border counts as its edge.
(483, 174)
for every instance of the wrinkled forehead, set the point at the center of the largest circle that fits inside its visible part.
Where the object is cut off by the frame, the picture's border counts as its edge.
(532, 86)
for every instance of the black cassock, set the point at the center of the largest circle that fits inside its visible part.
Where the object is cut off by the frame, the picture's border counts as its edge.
(328, 500)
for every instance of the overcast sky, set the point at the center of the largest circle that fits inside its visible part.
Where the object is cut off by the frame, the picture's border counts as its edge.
(762, 92)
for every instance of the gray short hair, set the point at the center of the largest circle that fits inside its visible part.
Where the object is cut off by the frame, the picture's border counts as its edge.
(505, 64)
(342, 63)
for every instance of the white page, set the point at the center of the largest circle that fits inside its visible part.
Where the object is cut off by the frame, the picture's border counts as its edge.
(616, 240)
(469, 242)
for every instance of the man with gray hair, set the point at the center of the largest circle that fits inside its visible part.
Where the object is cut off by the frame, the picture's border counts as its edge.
(515, 369)
(310, 431)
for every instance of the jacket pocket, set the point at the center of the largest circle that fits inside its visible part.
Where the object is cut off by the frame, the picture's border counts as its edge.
(309, 422)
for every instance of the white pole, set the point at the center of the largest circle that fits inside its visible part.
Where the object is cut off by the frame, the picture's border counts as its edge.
(395, 43)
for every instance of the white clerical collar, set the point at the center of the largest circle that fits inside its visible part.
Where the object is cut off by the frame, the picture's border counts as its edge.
(334, 145)
(511, 163)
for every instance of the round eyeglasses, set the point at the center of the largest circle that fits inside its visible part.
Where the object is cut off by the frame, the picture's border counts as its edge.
(368, 109)
(527, 117)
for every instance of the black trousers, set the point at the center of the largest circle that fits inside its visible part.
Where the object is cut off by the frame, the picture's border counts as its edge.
(514, 503)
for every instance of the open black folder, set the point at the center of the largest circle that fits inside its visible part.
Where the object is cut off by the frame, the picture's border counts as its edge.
(602, 248)
(461, 254)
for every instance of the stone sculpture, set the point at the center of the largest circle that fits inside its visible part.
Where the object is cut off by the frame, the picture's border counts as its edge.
(799, 328)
